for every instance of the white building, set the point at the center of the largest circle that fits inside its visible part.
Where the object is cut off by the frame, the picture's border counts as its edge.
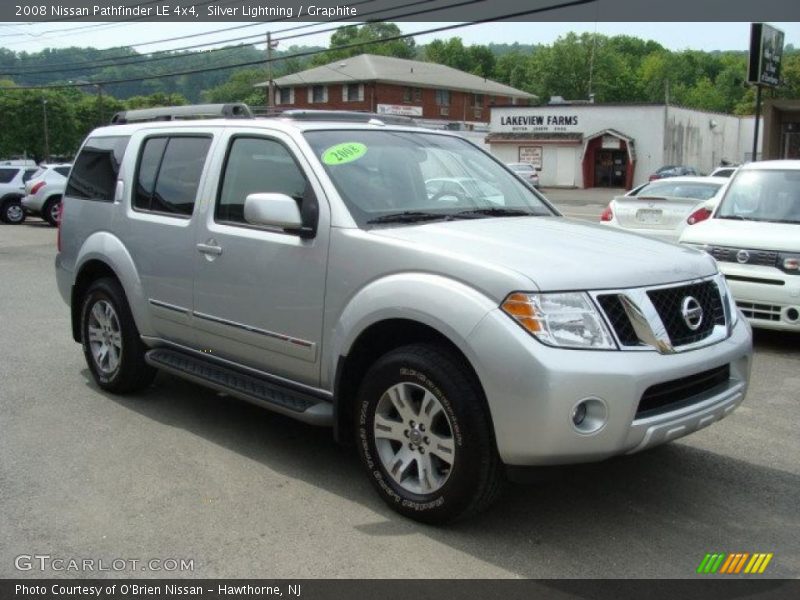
(615, 145)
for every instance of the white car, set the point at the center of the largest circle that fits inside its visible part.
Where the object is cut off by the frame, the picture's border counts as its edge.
(44, 190)
(723, 171)
(527, 172)
(664, 207)
(755, 237)
(12, 188)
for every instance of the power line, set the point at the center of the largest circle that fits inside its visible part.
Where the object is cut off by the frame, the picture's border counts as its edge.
(513, 15)
(142, 59)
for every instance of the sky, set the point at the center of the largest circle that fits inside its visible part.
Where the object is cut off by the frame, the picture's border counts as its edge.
(32, 37)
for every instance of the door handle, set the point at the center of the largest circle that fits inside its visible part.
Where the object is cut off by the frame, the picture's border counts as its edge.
(209, 249)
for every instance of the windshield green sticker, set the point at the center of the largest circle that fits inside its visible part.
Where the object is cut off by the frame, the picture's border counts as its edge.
(343, 153)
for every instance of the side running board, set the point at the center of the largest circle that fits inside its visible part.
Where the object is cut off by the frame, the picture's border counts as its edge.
(287, 401)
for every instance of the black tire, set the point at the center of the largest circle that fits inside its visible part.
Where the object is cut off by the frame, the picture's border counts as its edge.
(474, 478)
(47, 210)
(132, 373)
(11, 211)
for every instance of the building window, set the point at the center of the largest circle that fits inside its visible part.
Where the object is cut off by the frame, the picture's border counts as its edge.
(317, 94)
(477, 100)
(443, 97)
(286, 95)
(412, 94)
(353, 92)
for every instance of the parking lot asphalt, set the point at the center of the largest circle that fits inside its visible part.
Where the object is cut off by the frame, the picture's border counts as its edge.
(179, 472)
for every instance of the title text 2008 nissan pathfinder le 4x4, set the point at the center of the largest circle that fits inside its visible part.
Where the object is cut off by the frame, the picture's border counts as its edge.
(335, 268)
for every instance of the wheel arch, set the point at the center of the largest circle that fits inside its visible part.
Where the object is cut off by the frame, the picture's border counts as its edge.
(104, 255)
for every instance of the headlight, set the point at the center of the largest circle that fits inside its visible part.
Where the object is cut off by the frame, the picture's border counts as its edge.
(790, 263)
(566, 320)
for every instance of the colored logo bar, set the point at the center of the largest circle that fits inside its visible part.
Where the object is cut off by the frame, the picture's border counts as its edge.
(734, 563)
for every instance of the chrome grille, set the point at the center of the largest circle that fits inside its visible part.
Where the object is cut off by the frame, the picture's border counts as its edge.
(668, 304)
(664, 305)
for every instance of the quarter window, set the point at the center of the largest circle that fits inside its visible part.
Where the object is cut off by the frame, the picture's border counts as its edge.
(258, 165)
(94, 174)
(6, 175)
(169, 174)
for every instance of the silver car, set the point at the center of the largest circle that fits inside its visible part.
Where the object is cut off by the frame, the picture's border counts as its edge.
(300, 263)
(43, 192)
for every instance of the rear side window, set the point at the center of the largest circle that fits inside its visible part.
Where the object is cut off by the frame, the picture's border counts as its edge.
(29, 175)
(168, 174)
(6, 175)
(94, 174)
(62, 171)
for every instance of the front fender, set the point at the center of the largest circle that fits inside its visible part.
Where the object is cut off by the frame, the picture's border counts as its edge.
(448, 306)
(109, 249)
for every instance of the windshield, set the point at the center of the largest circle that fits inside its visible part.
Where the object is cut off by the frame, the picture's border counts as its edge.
(763, 195)
(398, 176)
(695, 191)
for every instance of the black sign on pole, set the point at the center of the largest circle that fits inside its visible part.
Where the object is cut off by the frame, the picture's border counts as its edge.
(764, 66)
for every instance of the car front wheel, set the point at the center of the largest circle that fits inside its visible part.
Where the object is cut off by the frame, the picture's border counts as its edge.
(425, 436)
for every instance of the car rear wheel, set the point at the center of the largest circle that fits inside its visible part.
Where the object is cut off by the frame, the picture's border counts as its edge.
(111, 343)
(50, 212)
(11, 212)
(425, 436)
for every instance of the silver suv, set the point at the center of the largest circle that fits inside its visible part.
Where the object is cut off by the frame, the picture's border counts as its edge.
(301, 263)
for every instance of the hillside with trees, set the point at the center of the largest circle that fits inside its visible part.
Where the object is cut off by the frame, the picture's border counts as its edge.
(609, 68)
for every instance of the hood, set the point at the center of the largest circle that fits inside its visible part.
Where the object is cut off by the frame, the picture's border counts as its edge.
(757, 235)
(558, 253)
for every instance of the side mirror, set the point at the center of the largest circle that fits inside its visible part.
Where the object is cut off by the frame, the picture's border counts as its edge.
(272, 210)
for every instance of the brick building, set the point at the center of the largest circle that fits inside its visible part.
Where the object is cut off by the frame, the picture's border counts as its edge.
(388, 85)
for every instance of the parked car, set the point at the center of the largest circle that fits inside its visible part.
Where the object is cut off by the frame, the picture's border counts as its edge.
(755, 237)
(300, 263)
(723, 171)
(462, 189)
(527, 172)
(12, 188)
(664, 208)
(674, 171)
(43, 192)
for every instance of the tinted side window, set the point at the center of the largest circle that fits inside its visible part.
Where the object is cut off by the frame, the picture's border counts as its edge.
(258, 166)
(152, 151)
(169, 174)
(94, 174)
(29, 175)
(62, 171)
(6, 175)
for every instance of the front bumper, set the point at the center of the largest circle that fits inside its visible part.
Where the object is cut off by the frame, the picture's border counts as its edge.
(532, 390)
(770, 304)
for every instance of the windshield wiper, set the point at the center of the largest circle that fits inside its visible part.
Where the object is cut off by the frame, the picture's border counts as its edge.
(408, 216)
(495, 212)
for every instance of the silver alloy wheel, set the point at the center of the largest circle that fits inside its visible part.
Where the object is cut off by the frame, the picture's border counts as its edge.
(105, 337)
(54, 212)
(414, 438)
(14, 213)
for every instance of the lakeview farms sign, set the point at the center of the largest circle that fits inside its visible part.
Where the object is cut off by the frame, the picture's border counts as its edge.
(532, 123)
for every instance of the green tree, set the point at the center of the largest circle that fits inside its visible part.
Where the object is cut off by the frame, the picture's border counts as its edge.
(369, 34)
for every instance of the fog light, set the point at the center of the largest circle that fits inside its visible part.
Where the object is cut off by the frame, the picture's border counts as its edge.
(589, 415)
(792, 314)
(579, 413)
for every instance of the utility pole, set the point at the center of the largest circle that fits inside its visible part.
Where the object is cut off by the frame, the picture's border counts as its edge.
(270, 84)
(100, 107)
(46, 133)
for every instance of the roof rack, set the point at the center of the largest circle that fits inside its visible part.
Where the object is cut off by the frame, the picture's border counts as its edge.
(346, 115)
(236, 110)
